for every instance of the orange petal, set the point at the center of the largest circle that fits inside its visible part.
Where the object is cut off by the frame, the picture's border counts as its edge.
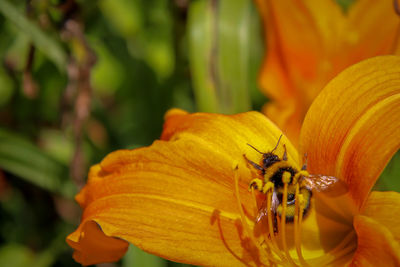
(310, 42)
(353, 128)
(92, 246)
(291, 53)
(376, 244)
(176, 198)
(375, 29)
(384, 208)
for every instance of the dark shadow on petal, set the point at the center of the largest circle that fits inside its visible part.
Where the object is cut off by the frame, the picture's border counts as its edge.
(215, 217)
(250, 251)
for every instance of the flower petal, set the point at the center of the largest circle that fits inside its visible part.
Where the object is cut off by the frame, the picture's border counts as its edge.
(176, 198)
(232, 134)
(91, 245)
(310, 42)
(376, 244)
(353, 128)
(384, 208)
(292, 56)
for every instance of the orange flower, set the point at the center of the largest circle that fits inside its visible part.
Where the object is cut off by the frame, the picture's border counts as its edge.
(310, 42)
(186, 198)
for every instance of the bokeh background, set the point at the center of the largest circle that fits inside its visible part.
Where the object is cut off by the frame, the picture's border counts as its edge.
(79, 79)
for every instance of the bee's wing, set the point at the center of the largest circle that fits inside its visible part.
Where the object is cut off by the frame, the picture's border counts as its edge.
(327, 184)
(274, 202)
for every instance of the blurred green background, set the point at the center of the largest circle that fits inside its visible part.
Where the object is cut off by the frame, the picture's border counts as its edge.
(80, 79)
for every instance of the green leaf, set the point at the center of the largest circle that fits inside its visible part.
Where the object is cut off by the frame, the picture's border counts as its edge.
(15, 255)
(23, 159)
(108, 74)
(390, 177)
(44, 42)
(137, 257)
(49, 255)
(200, 31)
(224, 41)
(6, 88)
(125, 15)
(239, 40)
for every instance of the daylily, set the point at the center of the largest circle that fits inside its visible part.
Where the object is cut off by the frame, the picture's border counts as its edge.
(310, 42)
(186, 197)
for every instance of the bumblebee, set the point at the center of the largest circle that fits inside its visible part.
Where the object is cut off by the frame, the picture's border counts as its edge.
(276, 171)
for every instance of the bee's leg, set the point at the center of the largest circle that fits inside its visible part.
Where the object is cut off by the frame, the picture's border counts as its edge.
(255, 165)
(275, 225)
(284, 157)
(256, 183)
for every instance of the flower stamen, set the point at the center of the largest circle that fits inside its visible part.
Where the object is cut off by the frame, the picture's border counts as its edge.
(285, 179)
(244, 220)
(253, 196)
(298, 217)
(271, 238)
(266, 243)
(269, 218)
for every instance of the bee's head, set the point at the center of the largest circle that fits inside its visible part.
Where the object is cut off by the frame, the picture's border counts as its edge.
(269, 159)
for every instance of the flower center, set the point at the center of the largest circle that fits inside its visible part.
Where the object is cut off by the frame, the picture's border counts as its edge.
(281, 207)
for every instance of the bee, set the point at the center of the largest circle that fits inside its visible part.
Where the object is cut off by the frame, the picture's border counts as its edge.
(273, 169)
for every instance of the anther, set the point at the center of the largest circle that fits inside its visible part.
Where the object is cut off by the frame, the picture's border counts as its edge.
(269, 186)
(256, 184)
(286, 177)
